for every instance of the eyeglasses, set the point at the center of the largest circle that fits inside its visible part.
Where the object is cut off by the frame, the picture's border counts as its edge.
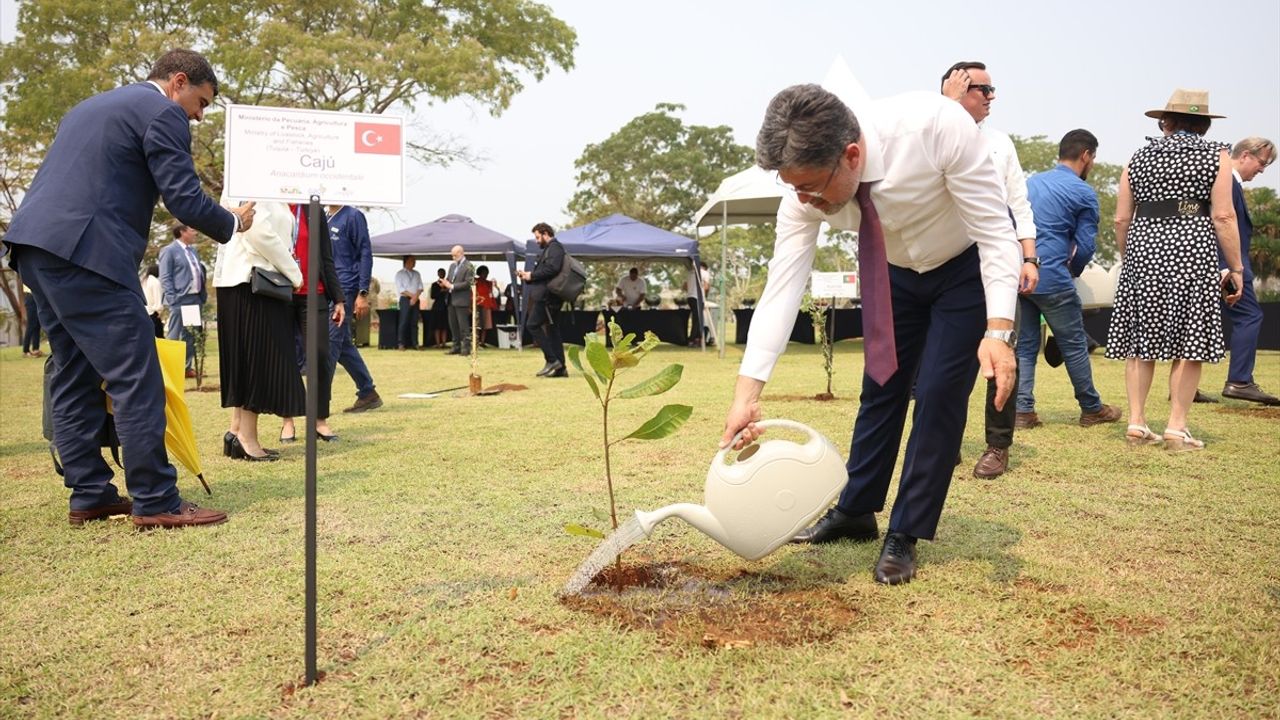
(1263, 164)
(811, 193)
(986, 90)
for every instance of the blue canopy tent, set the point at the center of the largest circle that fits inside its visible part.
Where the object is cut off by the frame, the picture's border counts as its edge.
(620, 238)
(437, 238)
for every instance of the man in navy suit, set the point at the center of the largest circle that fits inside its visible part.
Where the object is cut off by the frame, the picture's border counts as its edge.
(77, 240)
(182, 279)
(1249, 158)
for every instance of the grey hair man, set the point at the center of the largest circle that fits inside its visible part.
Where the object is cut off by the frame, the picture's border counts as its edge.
(939, 265)
(458, 280)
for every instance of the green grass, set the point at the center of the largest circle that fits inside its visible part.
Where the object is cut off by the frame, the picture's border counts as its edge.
(1092, 581)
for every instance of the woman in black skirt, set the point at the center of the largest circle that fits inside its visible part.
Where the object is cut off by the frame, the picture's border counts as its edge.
(330, 292)
(439, 311)
(259, 370)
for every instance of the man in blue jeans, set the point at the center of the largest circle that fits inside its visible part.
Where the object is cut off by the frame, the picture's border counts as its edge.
(353, 259)
(1066, 211)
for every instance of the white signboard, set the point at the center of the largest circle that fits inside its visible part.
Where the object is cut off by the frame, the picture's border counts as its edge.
(288, 155)
(834, 284)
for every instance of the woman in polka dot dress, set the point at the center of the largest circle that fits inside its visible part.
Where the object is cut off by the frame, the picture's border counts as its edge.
(1172, 213)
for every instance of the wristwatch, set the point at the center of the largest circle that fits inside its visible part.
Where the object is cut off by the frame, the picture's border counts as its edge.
(363, 293)
(1005, 336)
(1033, 260)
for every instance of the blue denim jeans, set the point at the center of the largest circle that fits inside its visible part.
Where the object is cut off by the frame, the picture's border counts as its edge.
(1063, 313)
(342, 349)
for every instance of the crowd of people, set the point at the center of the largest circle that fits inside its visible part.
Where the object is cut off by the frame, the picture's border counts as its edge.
(960, 257)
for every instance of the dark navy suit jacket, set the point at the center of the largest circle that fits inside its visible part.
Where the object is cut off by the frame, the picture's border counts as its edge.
(92, 200)
(1245, 224)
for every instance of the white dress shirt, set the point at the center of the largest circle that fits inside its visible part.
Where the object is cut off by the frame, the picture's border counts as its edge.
(408, 281)
(153, 293)
(1005, 157)
(938, 194)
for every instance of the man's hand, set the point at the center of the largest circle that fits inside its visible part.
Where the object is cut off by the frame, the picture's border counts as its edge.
(956, 84)
(1029, 279)
(339, 313)
(244, 214)
(996, 360)
(522, 274)
(1237, 279)
(446, 284)
(743, 413)
(362, 307)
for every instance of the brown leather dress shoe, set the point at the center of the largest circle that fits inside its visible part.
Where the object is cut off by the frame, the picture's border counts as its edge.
(123, 506)
(1105, 414)
(897, 563)
(1026, 420)
(1250, 392)
(372, 401)
(187, 515)
(993, 463)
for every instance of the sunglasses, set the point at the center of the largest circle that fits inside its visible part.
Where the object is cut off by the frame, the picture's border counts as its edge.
(986, 90)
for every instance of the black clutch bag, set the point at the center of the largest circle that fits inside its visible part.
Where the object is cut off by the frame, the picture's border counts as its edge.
(271, 284)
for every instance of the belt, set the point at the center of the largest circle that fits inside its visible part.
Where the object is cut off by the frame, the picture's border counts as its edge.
(1181, 207)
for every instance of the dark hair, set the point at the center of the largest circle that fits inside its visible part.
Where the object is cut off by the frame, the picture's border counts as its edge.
(963, 65)
(1173, 122)
(634, 270)
(805, 126)
(188, 62)
(482, 271)
(153, 270)
(1076, 142)
(177, 230)
(407, 258)
(543, 228)
(440, 272)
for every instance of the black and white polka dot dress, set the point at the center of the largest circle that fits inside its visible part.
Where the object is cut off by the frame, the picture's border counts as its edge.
(1168, 299)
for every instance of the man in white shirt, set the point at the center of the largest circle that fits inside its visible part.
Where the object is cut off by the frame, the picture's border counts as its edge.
(952, 271)
(632, 289)
(969, 84)
(408, 288)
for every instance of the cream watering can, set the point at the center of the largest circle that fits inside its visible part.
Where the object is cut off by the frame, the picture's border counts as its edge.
(760, 502)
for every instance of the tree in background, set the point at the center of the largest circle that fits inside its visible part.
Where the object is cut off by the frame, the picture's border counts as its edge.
(367, 56)
(659, 171)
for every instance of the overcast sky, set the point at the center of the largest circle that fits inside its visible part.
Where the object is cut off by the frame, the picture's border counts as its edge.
(1056, 66)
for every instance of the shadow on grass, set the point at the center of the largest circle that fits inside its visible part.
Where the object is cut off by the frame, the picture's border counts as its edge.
(969, 539)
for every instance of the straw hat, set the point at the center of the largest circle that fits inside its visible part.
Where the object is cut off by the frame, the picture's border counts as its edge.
(1187, 102)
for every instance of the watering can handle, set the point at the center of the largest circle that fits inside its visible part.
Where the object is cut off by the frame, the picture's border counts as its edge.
(776, 422)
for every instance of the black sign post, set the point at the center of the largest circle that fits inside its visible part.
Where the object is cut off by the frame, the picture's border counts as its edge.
(314, 329)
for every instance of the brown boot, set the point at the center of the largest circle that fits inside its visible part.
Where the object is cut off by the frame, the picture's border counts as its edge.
(1105, 414)
(993, 463)
(1026, 420)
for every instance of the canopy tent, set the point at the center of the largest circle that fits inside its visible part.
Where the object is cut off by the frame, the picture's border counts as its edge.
(437, 238)
(618, 237)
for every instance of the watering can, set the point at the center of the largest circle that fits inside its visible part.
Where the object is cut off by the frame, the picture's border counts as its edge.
(761, 501)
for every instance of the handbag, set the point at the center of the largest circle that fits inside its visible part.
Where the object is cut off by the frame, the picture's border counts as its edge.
(569, 283)
(271, 284)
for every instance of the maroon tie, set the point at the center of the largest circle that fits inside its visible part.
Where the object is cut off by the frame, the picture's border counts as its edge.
(879, 347)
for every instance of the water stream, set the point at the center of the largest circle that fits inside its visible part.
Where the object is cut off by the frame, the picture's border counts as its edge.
(627, 534)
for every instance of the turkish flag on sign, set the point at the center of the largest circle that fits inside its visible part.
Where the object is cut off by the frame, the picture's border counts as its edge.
(377, 138)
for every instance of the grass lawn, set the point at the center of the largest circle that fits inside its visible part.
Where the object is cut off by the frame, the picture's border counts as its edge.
(1091, 581)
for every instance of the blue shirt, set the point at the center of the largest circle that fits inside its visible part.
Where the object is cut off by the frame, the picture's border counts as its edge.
(1066, 211)
(352, 251)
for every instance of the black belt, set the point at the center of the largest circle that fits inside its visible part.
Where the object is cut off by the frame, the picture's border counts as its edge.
(1182, 207)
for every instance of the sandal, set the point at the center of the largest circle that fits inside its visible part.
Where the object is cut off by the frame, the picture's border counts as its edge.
(1141, 435)
(1181, 441)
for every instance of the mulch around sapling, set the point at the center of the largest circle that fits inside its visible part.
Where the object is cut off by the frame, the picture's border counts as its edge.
(820, 397)
(689, 606)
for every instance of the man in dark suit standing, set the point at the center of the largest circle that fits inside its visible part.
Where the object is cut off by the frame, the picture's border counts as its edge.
(541, 307)
(458, 281)
(77, 240)
(1249, 158)
(182, 279)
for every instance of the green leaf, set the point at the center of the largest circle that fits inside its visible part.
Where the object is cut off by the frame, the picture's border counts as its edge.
(650, 341)
(656, 385)
(624, 359)
(573, 357)
(575, 529)
(600, 361)
(615, 334)
(592, 382)
(626, 341)
(668, 420)
(601, 515)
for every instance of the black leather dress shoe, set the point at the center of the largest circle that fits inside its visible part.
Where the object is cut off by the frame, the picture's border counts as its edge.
(226, 443)
(897, 563)
(1203, 398)
(561, 371)
(1250, 392)
(549, 368)
(837, 525)
(239, 453)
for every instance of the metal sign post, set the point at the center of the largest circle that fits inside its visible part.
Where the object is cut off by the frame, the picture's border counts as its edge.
(314, 329)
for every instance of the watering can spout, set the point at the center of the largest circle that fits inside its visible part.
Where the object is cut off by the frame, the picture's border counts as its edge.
(696, 515)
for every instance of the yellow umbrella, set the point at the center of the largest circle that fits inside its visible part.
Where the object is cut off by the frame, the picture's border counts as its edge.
(179, 436)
